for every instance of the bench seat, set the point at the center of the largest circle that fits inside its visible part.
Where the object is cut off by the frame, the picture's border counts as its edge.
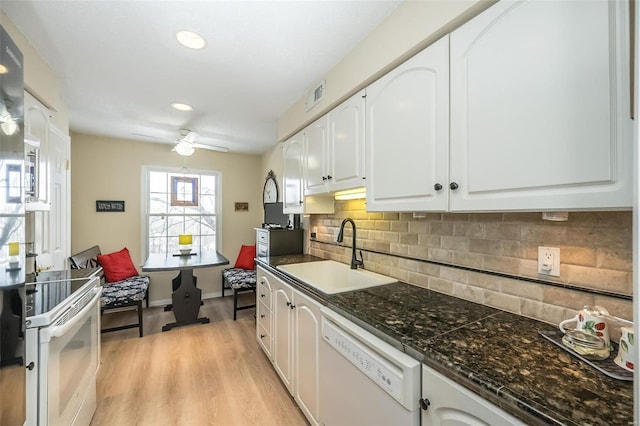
(239, 280)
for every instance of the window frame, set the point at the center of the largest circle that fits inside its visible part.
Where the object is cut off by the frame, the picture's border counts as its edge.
(144, 211)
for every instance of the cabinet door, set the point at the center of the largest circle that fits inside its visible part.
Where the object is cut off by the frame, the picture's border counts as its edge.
(453, 405)
(346, 144)
(408, 134)
(36, 125)
(292, 151)
(306, 351)
(540, 107)
(315, 142)
(283, 332)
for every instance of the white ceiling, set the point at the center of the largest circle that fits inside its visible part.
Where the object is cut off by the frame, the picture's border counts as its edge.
(120, 66)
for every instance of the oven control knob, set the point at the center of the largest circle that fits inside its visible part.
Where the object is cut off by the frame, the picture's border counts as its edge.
(30, 366)
(424, 404)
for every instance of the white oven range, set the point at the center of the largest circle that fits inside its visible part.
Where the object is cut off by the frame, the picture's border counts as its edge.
(62, 351)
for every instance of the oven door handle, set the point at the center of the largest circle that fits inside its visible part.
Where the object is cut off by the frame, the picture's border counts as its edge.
(57, 331)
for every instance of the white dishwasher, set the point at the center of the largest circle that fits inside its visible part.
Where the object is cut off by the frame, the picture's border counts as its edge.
(365, 381)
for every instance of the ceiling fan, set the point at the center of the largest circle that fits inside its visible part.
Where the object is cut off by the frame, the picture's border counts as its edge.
(185, 145)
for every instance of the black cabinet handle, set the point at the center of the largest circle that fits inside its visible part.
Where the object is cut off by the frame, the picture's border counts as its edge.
(292, 306)
(437, 187)
(30, 366)
(262, 315)
(425, 403)
(453, 186)
(324, 178)
(262, 336)
(329, 177)
(288, 303)
(262, 295)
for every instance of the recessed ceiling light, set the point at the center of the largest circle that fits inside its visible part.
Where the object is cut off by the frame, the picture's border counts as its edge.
(181, 107)
(3, 69)
(190, 39)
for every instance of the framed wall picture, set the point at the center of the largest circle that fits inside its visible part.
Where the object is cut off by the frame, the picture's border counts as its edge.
(242, 207)
(184, 191)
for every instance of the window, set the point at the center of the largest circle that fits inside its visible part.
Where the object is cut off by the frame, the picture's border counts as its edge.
(180, 202)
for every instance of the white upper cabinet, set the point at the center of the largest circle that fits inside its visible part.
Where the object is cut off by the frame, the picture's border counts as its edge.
(36, 133)
(334, 149)
(292, 180)
(316, 156)
(346, 144)
(540, 108)
(407, 134)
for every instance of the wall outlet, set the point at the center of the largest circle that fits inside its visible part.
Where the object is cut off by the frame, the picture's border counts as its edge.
(549, 261)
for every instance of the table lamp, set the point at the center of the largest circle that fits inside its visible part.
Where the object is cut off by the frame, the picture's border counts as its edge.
(185, 241)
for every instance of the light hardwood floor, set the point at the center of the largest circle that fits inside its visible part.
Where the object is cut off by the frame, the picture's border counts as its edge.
(210, 374)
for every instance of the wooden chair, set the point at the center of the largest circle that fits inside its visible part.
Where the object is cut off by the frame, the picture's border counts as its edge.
(239, 280)
(125, 293)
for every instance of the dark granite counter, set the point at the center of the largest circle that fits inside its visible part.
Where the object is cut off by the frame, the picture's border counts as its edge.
(499, 355)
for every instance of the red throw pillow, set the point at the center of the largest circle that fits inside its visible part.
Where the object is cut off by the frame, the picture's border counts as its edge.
(117, 266)
(246, 258)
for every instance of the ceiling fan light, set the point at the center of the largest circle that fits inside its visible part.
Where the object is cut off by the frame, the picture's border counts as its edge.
(181, 107)
(190, 39)
(184, 148)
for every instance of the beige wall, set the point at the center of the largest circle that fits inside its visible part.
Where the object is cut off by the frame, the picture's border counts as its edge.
(410, 28)
(111, 169)
(595, 253)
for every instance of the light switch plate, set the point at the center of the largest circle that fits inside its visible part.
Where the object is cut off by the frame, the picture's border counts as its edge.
(549, 261)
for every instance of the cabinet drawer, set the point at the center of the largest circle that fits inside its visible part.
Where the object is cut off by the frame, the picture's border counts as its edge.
(264, 294)
(264, 317)
(263, 237)
(264, 339)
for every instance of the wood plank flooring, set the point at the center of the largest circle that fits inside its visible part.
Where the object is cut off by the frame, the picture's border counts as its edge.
(210, 374)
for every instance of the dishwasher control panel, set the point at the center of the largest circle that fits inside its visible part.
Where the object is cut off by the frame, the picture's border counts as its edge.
(385, 375)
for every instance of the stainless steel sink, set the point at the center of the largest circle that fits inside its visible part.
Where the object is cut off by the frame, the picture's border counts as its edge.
(332, 277)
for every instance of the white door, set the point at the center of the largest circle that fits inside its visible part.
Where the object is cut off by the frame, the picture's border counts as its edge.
(540, 109)
(282, 333)
(59, 214)
(346, 144)
(292, 151)
(315, 137)
(306, 340)
(408, 133)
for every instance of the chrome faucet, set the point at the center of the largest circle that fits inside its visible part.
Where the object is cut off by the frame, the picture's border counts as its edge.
(354, 261)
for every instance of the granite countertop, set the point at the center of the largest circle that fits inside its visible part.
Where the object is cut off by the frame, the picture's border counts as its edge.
(499, 355)
(63, 274)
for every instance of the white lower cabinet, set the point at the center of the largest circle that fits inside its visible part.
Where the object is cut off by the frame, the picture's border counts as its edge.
(450, 404)
(291, 340)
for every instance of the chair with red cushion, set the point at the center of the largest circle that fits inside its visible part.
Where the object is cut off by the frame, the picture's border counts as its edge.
(241, 278)
(123, 285)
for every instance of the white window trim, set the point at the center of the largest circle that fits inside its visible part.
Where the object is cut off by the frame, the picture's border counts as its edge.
(144, 195)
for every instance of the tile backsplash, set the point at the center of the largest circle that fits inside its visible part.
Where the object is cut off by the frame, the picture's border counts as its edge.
(595, 254)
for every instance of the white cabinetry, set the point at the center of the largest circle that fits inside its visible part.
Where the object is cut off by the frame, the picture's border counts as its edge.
(407, 134)
(540, 108)
(451, 404)
(295, 328)
(316, 157)
(36, 129)
(334, 156)
(292, 196)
